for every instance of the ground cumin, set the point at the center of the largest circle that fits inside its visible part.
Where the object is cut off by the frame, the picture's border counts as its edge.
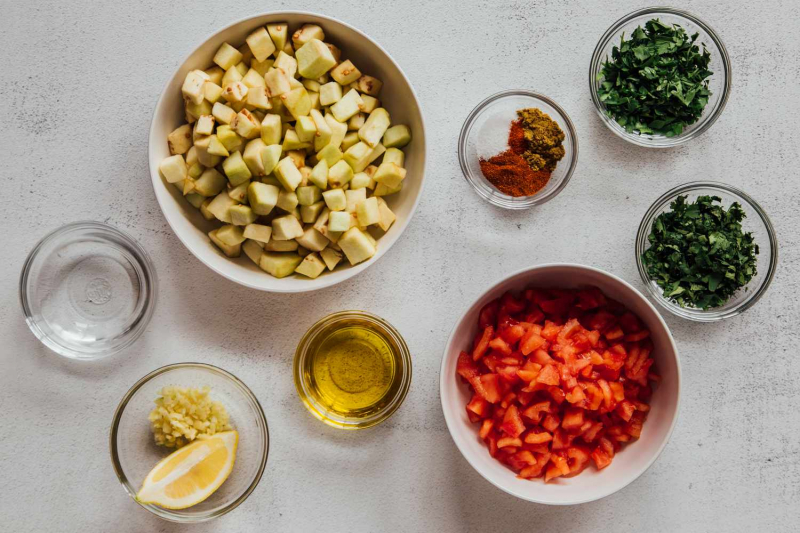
(544, 139)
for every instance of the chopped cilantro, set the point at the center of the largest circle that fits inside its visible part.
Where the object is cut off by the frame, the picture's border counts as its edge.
(657, 81)
(699, 255)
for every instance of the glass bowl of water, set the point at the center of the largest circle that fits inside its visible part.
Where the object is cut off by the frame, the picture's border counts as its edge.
(88, 290)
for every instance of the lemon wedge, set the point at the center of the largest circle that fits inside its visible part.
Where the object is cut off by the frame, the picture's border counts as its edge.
(191, 474)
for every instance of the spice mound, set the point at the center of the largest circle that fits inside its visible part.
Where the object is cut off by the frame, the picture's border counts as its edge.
(183, 414)
(534, 149)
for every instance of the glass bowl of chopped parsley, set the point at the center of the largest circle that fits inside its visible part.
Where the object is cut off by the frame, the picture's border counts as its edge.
(660, 77)
(706, 251)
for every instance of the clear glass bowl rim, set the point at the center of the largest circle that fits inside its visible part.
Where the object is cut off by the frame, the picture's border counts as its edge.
(302, 353)
(705, 123)
(699, 315)
(130, 489)
(536, 199)
(138, 325)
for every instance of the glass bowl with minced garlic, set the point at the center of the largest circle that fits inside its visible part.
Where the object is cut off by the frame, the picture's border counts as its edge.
(174, 407)
(706, 251)
(659, 77)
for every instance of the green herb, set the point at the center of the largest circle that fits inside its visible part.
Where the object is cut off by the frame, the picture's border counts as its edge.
(699, 255)
(656, 82)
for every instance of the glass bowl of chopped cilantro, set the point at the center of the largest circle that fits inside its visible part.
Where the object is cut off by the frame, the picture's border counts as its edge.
(660, 77)
(706, 251)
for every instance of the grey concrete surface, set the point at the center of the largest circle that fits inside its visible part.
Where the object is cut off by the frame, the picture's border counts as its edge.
(79, 82)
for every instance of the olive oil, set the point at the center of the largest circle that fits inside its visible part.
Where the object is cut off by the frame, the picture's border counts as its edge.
(352, 370)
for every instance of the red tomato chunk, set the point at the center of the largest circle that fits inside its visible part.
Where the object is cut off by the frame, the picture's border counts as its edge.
(560, 380)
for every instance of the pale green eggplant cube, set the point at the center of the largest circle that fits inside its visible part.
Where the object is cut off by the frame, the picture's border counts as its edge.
(223, 113)
(368, 212)
(306, 33)
(279, 32)
(354, 197)
(335, 199)
(397, 136)
(390, 174)
(230, 251)
(331, 257)
(270, 157)
(253, 250)
(339, 221)
(277, 82)
(357, 247)
(338, 130)
(314, 59)
(292, 142)
(242, 215)
(279, 265)
(297, 102)
(375, 126)
(271, 130)
(387, 216)
(357, 156)
(310, 213)
(180, 140)
(220, 207)
(350, 104)
(349, 140)
(370, 103)
(258, 232)
(345, 73)
(262, 197)
(286, 63)
(287, 201)
(306, 129)
(312, 266)
(227, 56)
(309, 194)
(174, 168)
(288, 174)
(330, 93)
(330, 154)
(210, 183)
(394, 155)
(215, 147)
(252, 157)
(236, 169)
(260, 44)
(229, 138)
(319, 175)
(339, 174)
(286, 228)
(231, 235)
(362, 180)
(312, 240)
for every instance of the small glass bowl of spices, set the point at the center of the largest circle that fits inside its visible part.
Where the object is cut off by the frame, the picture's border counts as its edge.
(659, 77)
(706, 251)
(518, 149)
(352, 370)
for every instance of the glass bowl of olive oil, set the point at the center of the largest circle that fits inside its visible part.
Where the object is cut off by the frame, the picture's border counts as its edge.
(352, 370)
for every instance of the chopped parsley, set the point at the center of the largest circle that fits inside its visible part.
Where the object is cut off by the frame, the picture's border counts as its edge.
(699, 254)
(657, 81)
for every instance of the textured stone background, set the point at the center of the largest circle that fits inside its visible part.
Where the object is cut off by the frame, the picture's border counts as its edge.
(78, 85)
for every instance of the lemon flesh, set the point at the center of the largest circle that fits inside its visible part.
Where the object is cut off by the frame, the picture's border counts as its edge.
(191, 474)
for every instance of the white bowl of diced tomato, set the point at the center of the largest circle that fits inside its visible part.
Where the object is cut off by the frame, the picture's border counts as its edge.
(561, 384)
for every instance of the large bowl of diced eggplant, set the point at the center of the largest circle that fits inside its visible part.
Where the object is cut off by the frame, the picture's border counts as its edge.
(288, 152)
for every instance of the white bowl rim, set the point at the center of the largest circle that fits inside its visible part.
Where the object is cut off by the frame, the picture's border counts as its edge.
(445, 373)
(323, 281)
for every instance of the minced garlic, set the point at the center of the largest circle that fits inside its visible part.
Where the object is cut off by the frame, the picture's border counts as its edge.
(183, 414)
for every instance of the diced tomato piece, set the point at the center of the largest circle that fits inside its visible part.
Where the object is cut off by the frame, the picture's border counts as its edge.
(501, 346)
(641, 406)
(600, 458)
(614, 333)
(590, 298)
(511, 305)
(558, 307)
(629, 322)
(567, 379)
(617, 390)
(571, 327)
(550, 331)
(548, 375)
(552, 472)
(534, 412)
(534, 315)
(625, 410)
(473, 417)
(505, 442)
(538, 438)
(561, 439)
(576, 395)
(531, 341)
(594, 396)
(483, 343)
(466, 368)
(508, 399)
(513, 334)
(578, 458)
(488, 314)
(521, 459)
(608, 397)
(486, 427)
(508, 373)
(527, 375)
(542, 357)
(551, 422)
(524, 398)
(573, 419)
(600, 320)
(634, 427)
(491, 441)
(512, 422)
(638, 336)
(556, 394)
(590, 434)
(491, 388)
(560, 460)
(479, 406)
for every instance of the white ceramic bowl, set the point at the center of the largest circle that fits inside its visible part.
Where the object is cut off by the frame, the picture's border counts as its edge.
(632, 460)
(397, 97)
